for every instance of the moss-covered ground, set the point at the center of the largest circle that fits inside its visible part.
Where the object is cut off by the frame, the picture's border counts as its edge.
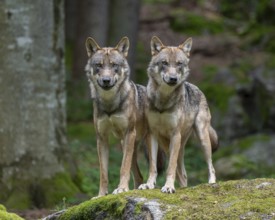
(4, 215)
(254, 199)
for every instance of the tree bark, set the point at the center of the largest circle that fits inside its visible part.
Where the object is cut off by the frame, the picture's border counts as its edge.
(124, 19)
(32, 98)
(92, 21)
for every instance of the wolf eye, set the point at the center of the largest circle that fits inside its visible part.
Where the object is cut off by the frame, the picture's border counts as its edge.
(179, 63)
(164, 63)
(115, 67)
(98, 66)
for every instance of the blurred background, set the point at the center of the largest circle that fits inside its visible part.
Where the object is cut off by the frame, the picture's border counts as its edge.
(48, 157)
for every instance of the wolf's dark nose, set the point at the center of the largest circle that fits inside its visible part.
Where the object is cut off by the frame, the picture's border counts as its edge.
(173, 79)
(106, 80)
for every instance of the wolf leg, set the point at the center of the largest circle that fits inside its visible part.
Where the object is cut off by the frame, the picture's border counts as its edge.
(174, 149)
(181, 172)
(128, 150)
(153, 153)
(202, 130)
(103, 155)
(138, 179)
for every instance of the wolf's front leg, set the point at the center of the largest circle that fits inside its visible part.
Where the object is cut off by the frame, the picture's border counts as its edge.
(174, 148)
(128, 149)
(103, 154)
(153, 153)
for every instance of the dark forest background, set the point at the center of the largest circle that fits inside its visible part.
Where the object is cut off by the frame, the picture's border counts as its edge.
(232, 62)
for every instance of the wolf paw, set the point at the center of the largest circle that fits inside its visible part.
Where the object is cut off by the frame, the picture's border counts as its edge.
(120, 190)
(167, 189)
(95, 197)
(146, 186)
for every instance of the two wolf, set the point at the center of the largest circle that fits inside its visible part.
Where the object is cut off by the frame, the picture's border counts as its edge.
(163, 114)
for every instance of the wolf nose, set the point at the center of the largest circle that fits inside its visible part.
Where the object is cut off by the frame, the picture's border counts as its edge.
(173, 79)
(106, 80)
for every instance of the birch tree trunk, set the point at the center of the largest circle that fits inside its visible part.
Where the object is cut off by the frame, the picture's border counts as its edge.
(32, 104)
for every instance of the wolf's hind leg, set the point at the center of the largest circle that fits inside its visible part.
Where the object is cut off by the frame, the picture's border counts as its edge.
(138, 179)
(181, 172)
(202, 130)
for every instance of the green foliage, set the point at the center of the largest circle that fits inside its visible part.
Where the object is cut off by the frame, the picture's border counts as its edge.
(217, 94)
(194, 24)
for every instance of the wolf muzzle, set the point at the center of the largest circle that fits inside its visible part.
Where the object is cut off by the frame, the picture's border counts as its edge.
(106, 82)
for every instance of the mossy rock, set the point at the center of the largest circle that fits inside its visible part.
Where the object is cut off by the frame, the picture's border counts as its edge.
(240, 199)
(248, 157)
(4, 215)
(42, 193)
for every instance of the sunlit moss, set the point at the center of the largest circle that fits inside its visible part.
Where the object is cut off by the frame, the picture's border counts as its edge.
(110, 206)
(223, 200)
(4, 215)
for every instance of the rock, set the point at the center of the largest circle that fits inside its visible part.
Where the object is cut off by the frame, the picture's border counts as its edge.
(250, 156)
(240, 199)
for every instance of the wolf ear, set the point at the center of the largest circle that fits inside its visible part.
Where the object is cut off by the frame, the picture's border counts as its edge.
(91, 46)
(156, 45)
(123, 46)
(186, 46)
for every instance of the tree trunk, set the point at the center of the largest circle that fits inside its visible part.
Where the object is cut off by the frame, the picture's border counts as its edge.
(32, 103)
(124, 22)
(92, 21)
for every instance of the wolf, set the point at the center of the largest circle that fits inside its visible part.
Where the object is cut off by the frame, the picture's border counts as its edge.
(176, 109)
(118, 108)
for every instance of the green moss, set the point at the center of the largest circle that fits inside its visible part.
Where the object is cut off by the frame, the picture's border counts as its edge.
(2, 208)
(109, 207)
(223, 200)
(19, 198)
(41, 193)
(4, 215)
(59, 187)
(193, 24)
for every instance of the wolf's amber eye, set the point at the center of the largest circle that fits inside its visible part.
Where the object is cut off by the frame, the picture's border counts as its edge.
(164, 63)
(179, 63)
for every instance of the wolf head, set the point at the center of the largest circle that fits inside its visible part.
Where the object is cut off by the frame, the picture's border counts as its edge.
(169, 65)
(107, 66)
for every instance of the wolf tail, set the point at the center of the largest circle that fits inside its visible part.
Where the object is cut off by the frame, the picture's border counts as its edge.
(214, 139)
